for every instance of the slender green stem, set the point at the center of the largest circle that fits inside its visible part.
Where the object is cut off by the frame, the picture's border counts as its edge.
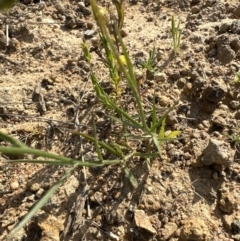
(129, 75)
(60, 159)
(12, 140)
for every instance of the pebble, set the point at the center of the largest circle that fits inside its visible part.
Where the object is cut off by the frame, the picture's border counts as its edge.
(215, 176)
(33, 187)
(195, 9)
(235, 104)
(89, 33)
(164, 101)
(235, 226)
(226, 201)
(14, 185)
(160, 77)
(39, 192)
(237, 10)
(216, 92)
(95, 42)
(142, 221)
(169, 230)
(50, 226)
(219, 121)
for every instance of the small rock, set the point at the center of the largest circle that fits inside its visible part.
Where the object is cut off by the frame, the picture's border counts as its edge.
(86, 11)
(194, 229)
(235, 226)
(237, 11)
(235, 104)
(89, 25)
(164, 101)
(235, 27)
(60, 8)
(175, 75)
(51, 227)
(89, 33)
(197, 146)
(160, 77)
(228, 220)
(123, 33)
(195, 9)
(33, 187)
(95, 42)
(235, 45)
(14, 185)
(169, 230)
(237, 115)
(151, 202)
(218, 152)
(226, 201)
(215, 176)
(224, 52)
(219, 121)
(138, 74)
(225, 27)
(83, 9)
(236, 237)
(80, 23)
(215, 92)
(97, 197)
(172, 118)
(142, 221)
(84, 65)
(70, 21)
(39, 192)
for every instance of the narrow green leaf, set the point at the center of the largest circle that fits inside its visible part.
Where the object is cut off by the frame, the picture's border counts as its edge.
(120, 12)
(131, 178)
(154, 118)
(154, 127)
(79, 163)
(36, 152)
(13, 141)
(86, 52)
(162, 129)
(133, 123)
(137, 137)
(157, 144)
(96, 140)
(173, 134)
(102, 144)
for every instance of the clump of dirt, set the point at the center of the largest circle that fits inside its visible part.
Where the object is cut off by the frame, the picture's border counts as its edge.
(192, 192)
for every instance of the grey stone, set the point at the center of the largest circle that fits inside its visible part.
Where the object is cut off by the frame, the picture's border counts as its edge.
(218, 152)
(224, 52)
